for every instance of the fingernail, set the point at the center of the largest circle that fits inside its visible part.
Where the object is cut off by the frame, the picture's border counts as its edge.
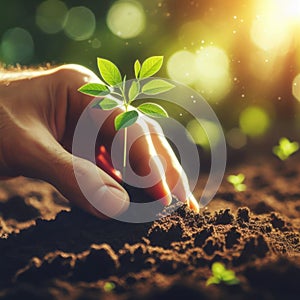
(193, 203)
(110, 201)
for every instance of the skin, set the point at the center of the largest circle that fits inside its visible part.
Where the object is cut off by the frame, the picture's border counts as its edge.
(39, 110)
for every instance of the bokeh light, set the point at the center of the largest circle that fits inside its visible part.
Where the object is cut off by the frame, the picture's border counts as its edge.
(181, 67)
(213, 71)
(96, 43)
(80, 23)
(254, 121)
(17, 46)
(269, 35)
(200, 130)
(296, 87)
(126, 19)
(236, 139)
(51, 16)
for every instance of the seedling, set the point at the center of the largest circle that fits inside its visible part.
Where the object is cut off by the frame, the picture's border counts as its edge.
(285, 148)
(114, 93)
(221, 275)
(237, 182)
(109, 287)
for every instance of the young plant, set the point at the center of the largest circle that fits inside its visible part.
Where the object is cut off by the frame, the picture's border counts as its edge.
(221, 275)
(109, 287)
(285, 148)
(115, 93)
(238, 182)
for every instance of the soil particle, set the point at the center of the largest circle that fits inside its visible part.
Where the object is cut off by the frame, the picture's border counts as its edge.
(224, 217)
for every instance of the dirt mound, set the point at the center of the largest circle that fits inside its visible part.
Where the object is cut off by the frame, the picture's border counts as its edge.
(52, 252)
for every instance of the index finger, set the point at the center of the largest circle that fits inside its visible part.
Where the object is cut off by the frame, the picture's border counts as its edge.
(175, 175)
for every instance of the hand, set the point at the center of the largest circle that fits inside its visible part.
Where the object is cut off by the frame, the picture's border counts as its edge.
(39, 111)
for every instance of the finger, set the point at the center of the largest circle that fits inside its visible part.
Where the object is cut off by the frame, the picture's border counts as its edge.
(144, 161)
(105, 163)
(175, 175)
(141, 152)
(76, 102)
(80, 181)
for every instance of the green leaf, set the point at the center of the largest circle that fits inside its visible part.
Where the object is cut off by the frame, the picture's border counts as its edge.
(285, 148)
(124, 83)
(233, 281)
(126, 119)
(157, 86)
(151, 66)
(153, 110)
(137, 68)
(241, 187)
(217, 269)
(212, 280)
(109, 287)
(134, 90)
(109, 72)
(94, 89)
(236, 179)
(106, 104)
(228, 275)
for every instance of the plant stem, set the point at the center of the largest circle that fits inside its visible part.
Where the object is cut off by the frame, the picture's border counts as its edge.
(125, 134)
(125, 153)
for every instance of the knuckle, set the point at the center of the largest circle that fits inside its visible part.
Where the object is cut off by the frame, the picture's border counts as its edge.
(75, 72)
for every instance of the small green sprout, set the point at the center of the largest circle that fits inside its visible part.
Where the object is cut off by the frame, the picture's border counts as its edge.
(237, 182)
(109, 287)
(115, 93)
(221, 275)
(285, 148)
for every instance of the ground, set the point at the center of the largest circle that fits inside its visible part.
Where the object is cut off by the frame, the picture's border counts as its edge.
(49, 251)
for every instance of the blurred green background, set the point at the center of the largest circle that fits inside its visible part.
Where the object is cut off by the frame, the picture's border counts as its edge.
(242, 56)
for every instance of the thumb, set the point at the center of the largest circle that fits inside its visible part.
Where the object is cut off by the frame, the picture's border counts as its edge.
(79, 180)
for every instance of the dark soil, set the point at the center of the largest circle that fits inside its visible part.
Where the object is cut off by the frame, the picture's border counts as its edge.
(49, 251)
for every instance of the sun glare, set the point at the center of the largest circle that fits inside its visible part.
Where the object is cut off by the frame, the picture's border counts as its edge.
(276, 24)
(290, 8)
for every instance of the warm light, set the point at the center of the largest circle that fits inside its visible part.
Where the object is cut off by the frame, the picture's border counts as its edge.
(264, 65)
(296, 87)
(126, 19)
(254, 121)
(51, 15)
(212, 62)
(80, 23)
(270, 33)
(290, 8)
(213, 72)
(181, 67)
(274, 26)
(204, 133)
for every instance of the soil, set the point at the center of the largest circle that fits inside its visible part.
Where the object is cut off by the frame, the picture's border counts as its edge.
(51, 251)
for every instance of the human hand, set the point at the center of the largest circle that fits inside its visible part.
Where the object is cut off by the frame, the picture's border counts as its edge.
(39, 111)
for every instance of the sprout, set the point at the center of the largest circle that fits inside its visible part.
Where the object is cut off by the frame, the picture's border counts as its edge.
(285, 148)
(237, 182)
(221, 275)
(109, 287)
(114, 93)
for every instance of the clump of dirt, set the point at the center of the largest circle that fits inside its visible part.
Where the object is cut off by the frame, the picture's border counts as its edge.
(50, 251)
